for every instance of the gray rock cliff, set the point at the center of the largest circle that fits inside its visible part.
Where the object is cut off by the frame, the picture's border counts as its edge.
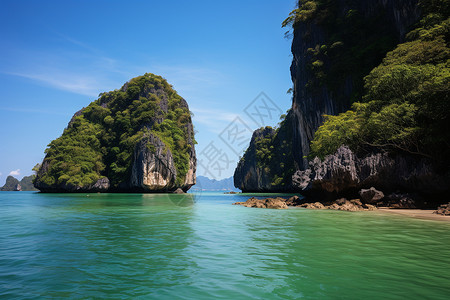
(346, 41)
(344, 174)
(393, 17)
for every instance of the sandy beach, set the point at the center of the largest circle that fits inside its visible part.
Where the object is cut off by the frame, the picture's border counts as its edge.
(416, 213)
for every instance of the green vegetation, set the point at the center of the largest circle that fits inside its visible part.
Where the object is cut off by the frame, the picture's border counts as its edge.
(100, 141)
(273, 153)
(10, 184)
(355, 44)
(27, 183)
(304, 12)
(406, 103)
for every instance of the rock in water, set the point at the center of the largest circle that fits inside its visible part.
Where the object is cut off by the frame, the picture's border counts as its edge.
(178, 191)
(274, 203)
(136, 139)
(371, 195)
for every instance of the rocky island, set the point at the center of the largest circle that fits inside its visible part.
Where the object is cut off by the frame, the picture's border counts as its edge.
(13, 184)
(370, 101)
(139, 138)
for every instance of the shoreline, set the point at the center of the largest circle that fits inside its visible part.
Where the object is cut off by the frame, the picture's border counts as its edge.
(345, 205)
(424, 214)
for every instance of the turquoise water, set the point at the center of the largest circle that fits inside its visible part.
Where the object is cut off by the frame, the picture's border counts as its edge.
(121, 246)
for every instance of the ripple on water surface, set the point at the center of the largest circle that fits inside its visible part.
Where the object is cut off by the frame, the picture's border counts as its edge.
(202, 247)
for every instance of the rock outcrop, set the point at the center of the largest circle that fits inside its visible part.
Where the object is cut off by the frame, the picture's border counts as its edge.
(341, 204)
(136, 139)
(405, 200)
(444, 209)
(152, 170)
(282, 203)
(371, 195)
(344, 174)
(250, 176)
(274, 203)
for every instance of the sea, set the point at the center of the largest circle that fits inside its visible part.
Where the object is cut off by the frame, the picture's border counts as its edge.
(200, 246)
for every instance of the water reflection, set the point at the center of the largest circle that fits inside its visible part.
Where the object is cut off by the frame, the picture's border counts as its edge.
(98, 200)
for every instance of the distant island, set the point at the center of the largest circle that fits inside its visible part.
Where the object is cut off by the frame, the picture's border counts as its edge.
(207, 184)
(139, 138)
(13, 184)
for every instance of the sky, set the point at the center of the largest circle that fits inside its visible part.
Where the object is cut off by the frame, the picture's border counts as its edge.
(228, 59)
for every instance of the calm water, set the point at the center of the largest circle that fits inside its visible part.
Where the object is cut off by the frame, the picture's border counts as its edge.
(202, 247)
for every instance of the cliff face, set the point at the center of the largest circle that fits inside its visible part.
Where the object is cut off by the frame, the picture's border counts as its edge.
(136, 139)
(248, 175)
(344, 174)
(333, 48)
(387, 20)
(267, 164)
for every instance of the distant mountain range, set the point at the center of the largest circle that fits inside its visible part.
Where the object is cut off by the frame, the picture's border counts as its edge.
(206, 184)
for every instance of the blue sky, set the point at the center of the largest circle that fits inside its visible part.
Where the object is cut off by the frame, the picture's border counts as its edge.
(57, 56)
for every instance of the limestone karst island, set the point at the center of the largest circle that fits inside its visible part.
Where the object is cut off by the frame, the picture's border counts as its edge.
(271, 149)
(136, 139)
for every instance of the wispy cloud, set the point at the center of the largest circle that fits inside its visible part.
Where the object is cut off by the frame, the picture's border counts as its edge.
(71, 65)
(15, 173)
(76, 83)
(76, 66)
(34, 111)
(76, 42)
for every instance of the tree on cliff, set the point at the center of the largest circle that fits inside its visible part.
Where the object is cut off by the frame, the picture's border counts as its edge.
(407, 100)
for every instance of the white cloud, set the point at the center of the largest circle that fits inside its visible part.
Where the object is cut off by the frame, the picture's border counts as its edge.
(15, 173)
(75, 83)
(81, 69)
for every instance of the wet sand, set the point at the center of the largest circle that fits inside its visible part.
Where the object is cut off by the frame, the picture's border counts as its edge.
(416, 213)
